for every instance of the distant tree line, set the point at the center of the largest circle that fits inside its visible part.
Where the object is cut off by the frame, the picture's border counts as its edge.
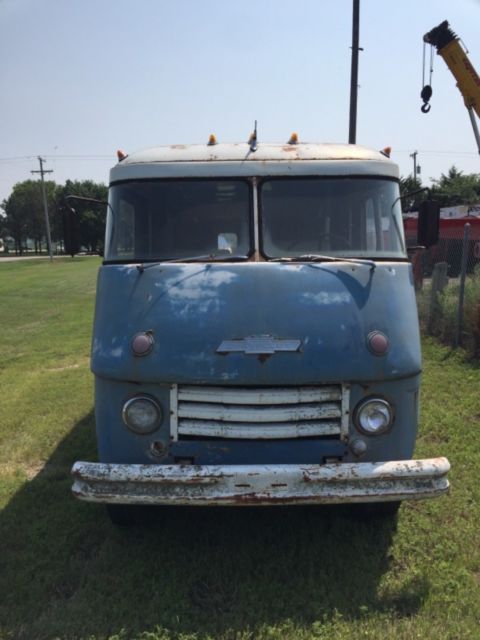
(450, 190)
(22, 215)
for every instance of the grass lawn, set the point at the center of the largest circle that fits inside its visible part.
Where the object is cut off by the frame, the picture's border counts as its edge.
(308, 573)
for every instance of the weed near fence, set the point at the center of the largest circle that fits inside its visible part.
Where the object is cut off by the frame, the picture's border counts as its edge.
(438, 312)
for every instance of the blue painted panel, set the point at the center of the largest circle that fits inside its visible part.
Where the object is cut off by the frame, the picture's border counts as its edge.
(304, 451)
(192, 308)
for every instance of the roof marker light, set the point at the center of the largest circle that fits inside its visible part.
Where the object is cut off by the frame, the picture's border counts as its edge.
(212, 140)
(293, 138)
(386, 151)
(121, 155)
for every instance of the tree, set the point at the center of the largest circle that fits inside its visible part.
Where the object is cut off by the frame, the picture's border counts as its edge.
(24, 214)
(91, 217)
(3, 227)
(408, 186)
(455, 188)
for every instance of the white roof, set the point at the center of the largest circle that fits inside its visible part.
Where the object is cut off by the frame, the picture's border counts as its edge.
(221, 160)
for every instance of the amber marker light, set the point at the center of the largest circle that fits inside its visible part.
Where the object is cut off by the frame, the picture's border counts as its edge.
(386, 151)
(121, 155)
(293, 138)
(212, 140)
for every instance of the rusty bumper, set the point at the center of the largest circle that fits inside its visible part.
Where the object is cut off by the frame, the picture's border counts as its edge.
(260, 484)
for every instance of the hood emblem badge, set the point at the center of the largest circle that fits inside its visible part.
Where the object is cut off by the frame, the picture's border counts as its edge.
(258, 345)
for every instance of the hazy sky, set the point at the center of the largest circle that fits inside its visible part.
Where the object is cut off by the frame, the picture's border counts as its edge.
(82, 78)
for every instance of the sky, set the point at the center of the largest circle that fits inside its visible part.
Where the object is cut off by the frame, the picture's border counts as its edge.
(82, 78)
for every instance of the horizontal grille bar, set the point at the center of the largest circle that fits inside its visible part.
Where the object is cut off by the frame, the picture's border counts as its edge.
(295, 395)
(258, 413)
(268, 431)
(227, 413)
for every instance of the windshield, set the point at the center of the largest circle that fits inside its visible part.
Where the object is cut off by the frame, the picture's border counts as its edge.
(178, 219)
(339, 217)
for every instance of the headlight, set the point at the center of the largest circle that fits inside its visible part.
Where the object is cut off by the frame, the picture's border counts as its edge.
(374, 416)
(142, 414)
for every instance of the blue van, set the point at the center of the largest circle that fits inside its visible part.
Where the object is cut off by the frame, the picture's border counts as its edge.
(256, 337)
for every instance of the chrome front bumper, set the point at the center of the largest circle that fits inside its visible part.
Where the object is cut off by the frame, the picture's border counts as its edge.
(260, 484)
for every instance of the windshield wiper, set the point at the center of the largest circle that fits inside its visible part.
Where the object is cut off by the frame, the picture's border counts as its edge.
(211, 257)
(315, 257)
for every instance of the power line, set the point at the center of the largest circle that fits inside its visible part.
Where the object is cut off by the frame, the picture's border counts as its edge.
(438, 152)
(84, 157)
(66, 157)
(15, 158)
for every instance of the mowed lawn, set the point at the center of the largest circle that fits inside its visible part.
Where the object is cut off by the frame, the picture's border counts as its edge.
(309, 573)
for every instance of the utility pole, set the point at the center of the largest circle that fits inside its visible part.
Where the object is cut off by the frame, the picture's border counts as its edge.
(42, 172)
(416, 170)
(352, 133)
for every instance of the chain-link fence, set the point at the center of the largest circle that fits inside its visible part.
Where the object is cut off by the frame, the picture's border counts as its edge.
(447, 280)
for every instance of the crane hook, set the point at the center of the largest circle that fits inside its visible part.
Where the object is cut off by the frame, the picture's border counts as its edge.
(425, 95)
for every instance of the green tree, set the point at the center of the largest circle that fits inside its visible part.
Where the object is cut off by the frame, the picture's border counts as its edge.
(3, 227)
(91, 217)
(24, 215)
(408, 186)
(455, 188)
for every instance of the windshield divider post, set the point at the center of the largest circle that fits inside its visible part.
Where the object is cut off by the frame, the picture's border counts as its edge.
(256, 241)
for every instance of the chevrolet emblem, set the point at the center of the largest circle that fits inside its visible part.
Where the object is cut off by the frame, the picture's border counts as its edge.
(258, 345)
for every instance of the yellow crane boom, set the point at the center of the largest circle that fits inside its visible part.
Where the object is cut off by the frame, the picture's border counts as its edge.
(449, 48)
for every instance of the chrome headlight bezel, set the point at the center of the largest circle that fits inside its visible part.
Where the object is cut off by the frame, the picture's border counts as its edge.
(155, 421)
(383, 408)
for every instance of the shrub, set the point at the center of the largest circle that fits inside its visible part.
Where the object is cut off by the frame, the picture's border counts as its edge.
(472, 314)
(444, 322)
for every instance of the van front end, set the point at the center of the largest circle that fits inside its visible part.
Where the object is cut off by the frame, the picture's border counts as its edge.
(237, 400)
(256, 335)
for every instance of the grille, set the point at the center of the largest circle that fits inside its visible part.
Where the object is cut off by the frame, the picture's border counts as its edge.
(258, 413)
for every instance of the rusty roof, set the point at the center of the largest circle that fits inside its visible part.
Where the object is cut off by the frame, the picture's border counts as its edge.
(241, 151)
(216, 160)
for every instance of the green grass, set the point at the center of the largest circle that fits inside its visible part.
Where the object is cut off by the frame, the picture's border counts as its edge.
(294, 573)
